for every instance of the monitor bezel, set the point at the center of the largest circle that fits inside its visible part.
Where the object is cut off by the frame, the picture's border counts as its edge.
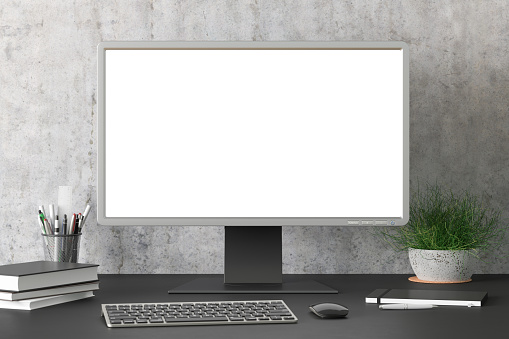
(247, 221)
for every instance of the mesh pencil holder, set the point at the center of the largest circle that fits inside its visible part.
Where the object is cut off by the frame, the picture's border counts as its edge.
(63, 248)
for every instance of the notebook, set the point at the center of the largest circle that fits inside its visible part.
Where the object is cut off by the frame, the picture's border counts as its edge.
(433, 297)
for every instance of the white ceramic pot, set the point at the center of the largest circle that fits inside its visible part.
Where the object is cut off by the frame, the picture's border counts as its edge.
(441, 266)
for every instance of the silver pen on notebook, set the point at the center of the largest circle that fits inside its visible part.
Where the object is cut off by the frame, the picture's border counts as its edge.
(406, 306)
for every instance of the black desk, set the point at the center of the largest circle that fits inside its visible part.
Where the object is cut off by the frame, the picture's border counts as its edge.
(81, 319)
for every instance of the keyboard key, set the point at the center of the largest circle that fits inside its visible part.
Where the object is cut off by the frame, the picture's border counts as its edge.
(123, 317)
(286, 314)
(203, 319)
(116, 312)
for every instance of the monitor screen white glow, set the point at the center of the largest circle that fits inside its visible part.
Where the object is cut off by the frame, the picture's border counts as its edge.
(264, 134)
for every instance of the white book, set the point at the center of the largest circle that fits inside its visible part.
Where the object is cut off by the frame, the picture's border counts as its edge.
(51, 291)
(32, 304)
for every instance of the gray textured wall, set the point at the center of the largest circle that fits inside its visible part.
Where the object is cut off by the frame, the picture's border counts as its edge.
(48, 130)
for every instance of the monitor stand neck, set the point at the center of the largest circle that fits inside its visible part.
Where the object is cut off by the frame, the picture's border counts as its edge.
(253, 255)
(252, 264)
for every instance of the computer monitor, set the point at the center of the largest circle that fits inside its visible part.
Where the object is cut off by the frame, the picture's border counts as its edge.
(253, 136)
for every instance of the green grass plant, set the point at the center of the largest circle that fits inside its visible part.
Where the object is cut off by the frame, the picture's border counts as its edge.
(442, 220)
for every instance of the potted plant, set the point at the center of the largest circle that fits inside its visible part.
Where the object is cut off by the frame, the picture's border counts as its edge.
(445, 234)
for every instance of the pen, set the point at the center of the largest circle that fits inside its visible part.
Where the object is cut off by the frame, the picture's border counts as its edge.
(41, 221)
(41, 209)
(80, 224)
(57, 226)
(406, 307)
(84, 218)
(41, 215)
(41, 224)
(77, 226)
(47, 226)
(85, 214)
(71, 224)
(64, 225)
(57, 240)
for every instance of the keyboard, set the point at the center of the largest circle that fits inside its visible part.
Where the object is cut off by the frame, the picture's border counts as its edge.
(197, 313)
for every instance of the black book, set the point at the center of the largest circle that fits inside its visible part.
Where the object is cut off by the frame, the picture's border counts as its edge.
(41, 274)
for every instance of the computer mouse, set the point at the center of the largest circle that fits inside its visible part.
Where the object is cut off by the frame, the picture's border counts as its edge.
(329, 310)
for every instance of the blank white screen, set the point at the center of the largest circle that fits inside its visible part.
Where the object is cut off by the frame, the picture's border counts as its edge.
(254, 133)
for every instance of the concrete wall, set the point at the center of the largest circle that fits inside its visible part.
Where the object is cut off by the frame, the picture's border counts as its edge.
(459, 76)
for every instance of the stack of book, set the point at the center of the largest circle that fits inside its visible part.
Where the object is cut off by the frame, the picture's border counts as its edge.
(31, 285)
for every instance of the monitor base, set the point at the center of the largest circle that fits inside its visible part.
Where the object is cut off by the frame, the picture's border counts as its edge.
(217, 286)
